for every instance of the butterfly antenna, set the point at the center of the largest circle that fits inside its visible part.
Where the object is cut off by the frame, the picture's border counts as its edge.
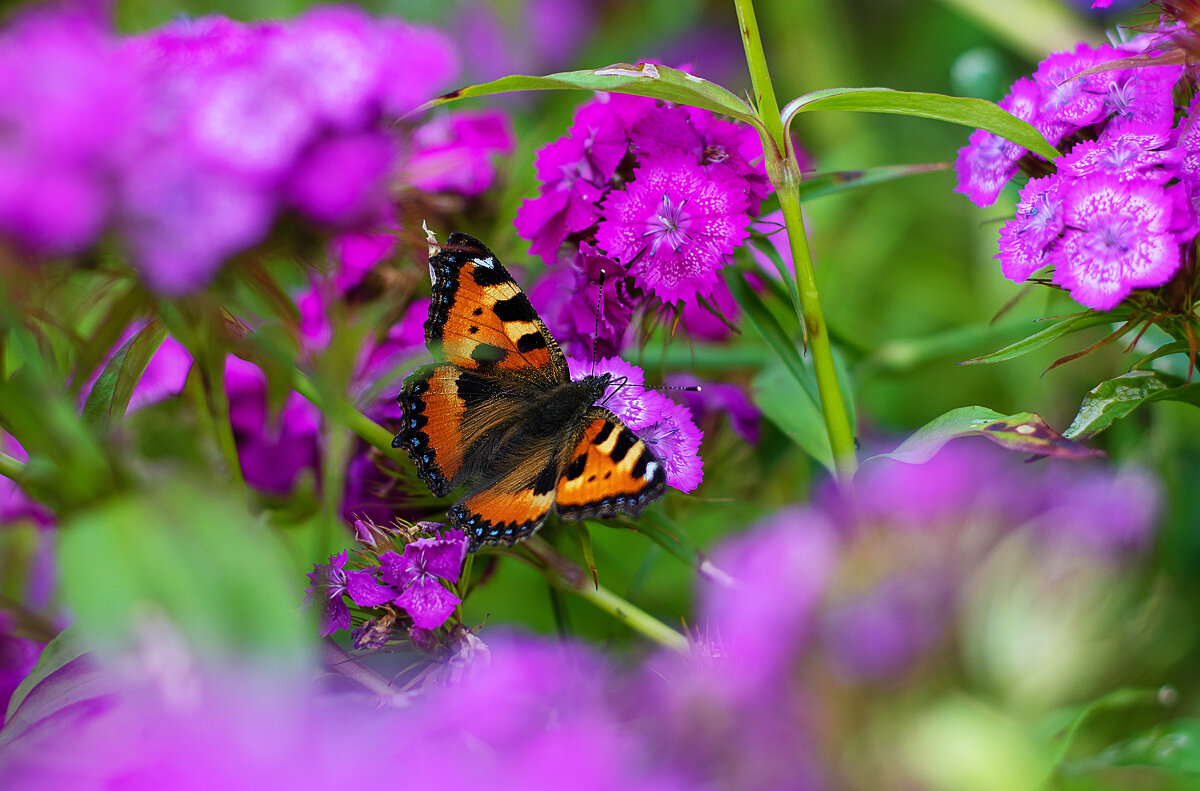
(596, 332)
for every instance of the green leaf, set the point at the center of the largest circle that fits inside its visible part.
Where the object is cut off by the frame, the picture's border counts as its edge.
(1173, 746)
(976, 113)
(1112, 400)
(642, 79)
(669, 535)
(818, 185)
(64, 678)
(1024, 432)
(190, 554)
(794, 409)
(770, 329)
(114, 387)
(786, 276)
(1039, 339)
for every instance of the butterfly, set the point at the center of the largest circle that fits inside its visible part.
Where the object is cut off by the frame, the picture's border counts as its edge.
(498, 412)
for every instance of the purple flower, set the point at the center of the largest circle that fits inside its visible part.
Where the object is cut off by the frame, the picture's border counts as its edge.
(718, 398)
(567, 297)
(418, 575)
(182, 221)
(67, 106)
(764, 616)
(1027, 239)
(568, 201)
(880, 634)
(627, 395)
(454, 152)
(1069, 102)
(1112, 515)
(1139, 100)
(674, 226)
(988, 162)
(671, 433)
(343, 181)
(1127, 156)
(1120, 235)
(715, 144)
(330, 582)
(666, 427)
(273, 452)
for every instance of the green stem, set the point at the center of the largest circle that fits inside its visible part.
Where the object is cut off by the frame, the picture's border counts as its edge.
(784, 172)
(11, 467)
(342, 662)
(344, 412)
(570, 576)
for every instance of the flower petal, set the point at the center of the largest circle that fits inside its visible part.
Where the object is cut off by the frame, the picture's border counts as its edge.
(428, 602)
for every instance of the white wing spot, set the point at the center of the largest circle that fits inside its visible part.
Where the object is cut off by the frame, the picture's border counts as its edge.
(651, 468)
(486, 263)
(432, 275)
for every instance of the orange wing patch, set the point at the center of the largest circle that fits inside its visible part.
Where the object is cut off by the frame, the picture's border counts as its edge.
(508, 511)
(610, 471)
(480, 319)
(445, 411)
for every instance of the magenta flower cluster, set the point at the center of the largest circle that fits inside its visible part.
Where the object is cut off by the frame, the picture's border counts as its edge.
(412, 580)
(656, 196)
(753, 705)
(190, 140)
(1117, 212)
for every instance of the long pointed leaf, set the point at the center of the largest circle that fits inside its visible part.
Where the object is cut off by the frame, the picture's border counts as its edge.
(1024, 432)
(1039, 339)
(642, 79)
(977, 113)
(110, 395)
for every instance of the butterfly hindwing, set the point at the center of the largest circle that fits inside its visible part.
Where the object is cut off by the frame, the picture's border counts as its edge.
(610, 470)
(512, 508)
(479, 319)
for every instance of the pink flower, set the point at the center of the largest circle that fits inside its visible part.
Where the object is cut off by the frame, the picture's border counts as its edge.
(674, 226)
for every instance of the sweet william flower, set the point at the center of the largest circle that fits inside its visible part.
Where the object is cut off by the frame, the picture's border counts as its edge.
(666, 427)
(1120, 235)
(674, 226)
(989, 161)
(1027, 239)
(418, 576)
(675, 439)
(331, 582)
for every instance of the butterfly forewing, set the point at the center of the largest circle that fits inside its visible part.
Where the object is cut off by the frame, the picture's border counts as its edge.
(480, 319)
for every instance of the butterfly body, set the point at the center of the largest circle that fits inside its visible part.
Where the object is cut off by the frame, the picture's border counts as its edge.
(499, 413)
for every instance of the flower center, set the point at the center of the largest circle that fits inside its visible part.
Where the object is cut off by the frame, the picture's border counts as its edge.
(669, 226)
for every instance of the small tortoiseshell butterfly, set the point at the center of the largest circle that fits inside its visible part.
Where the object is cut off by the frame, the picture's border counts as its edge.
(499, 413)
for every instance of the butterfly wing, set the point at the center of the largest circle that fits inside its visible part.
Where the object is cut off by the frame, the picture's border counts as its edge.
(447, 410)
(513, 507)
(479, 319)
(609, 471)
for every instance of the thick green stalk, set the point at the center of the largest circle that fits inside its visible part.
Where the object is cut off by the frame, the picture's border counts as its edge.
(564, 573)
(10, 467)
(784, 172)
